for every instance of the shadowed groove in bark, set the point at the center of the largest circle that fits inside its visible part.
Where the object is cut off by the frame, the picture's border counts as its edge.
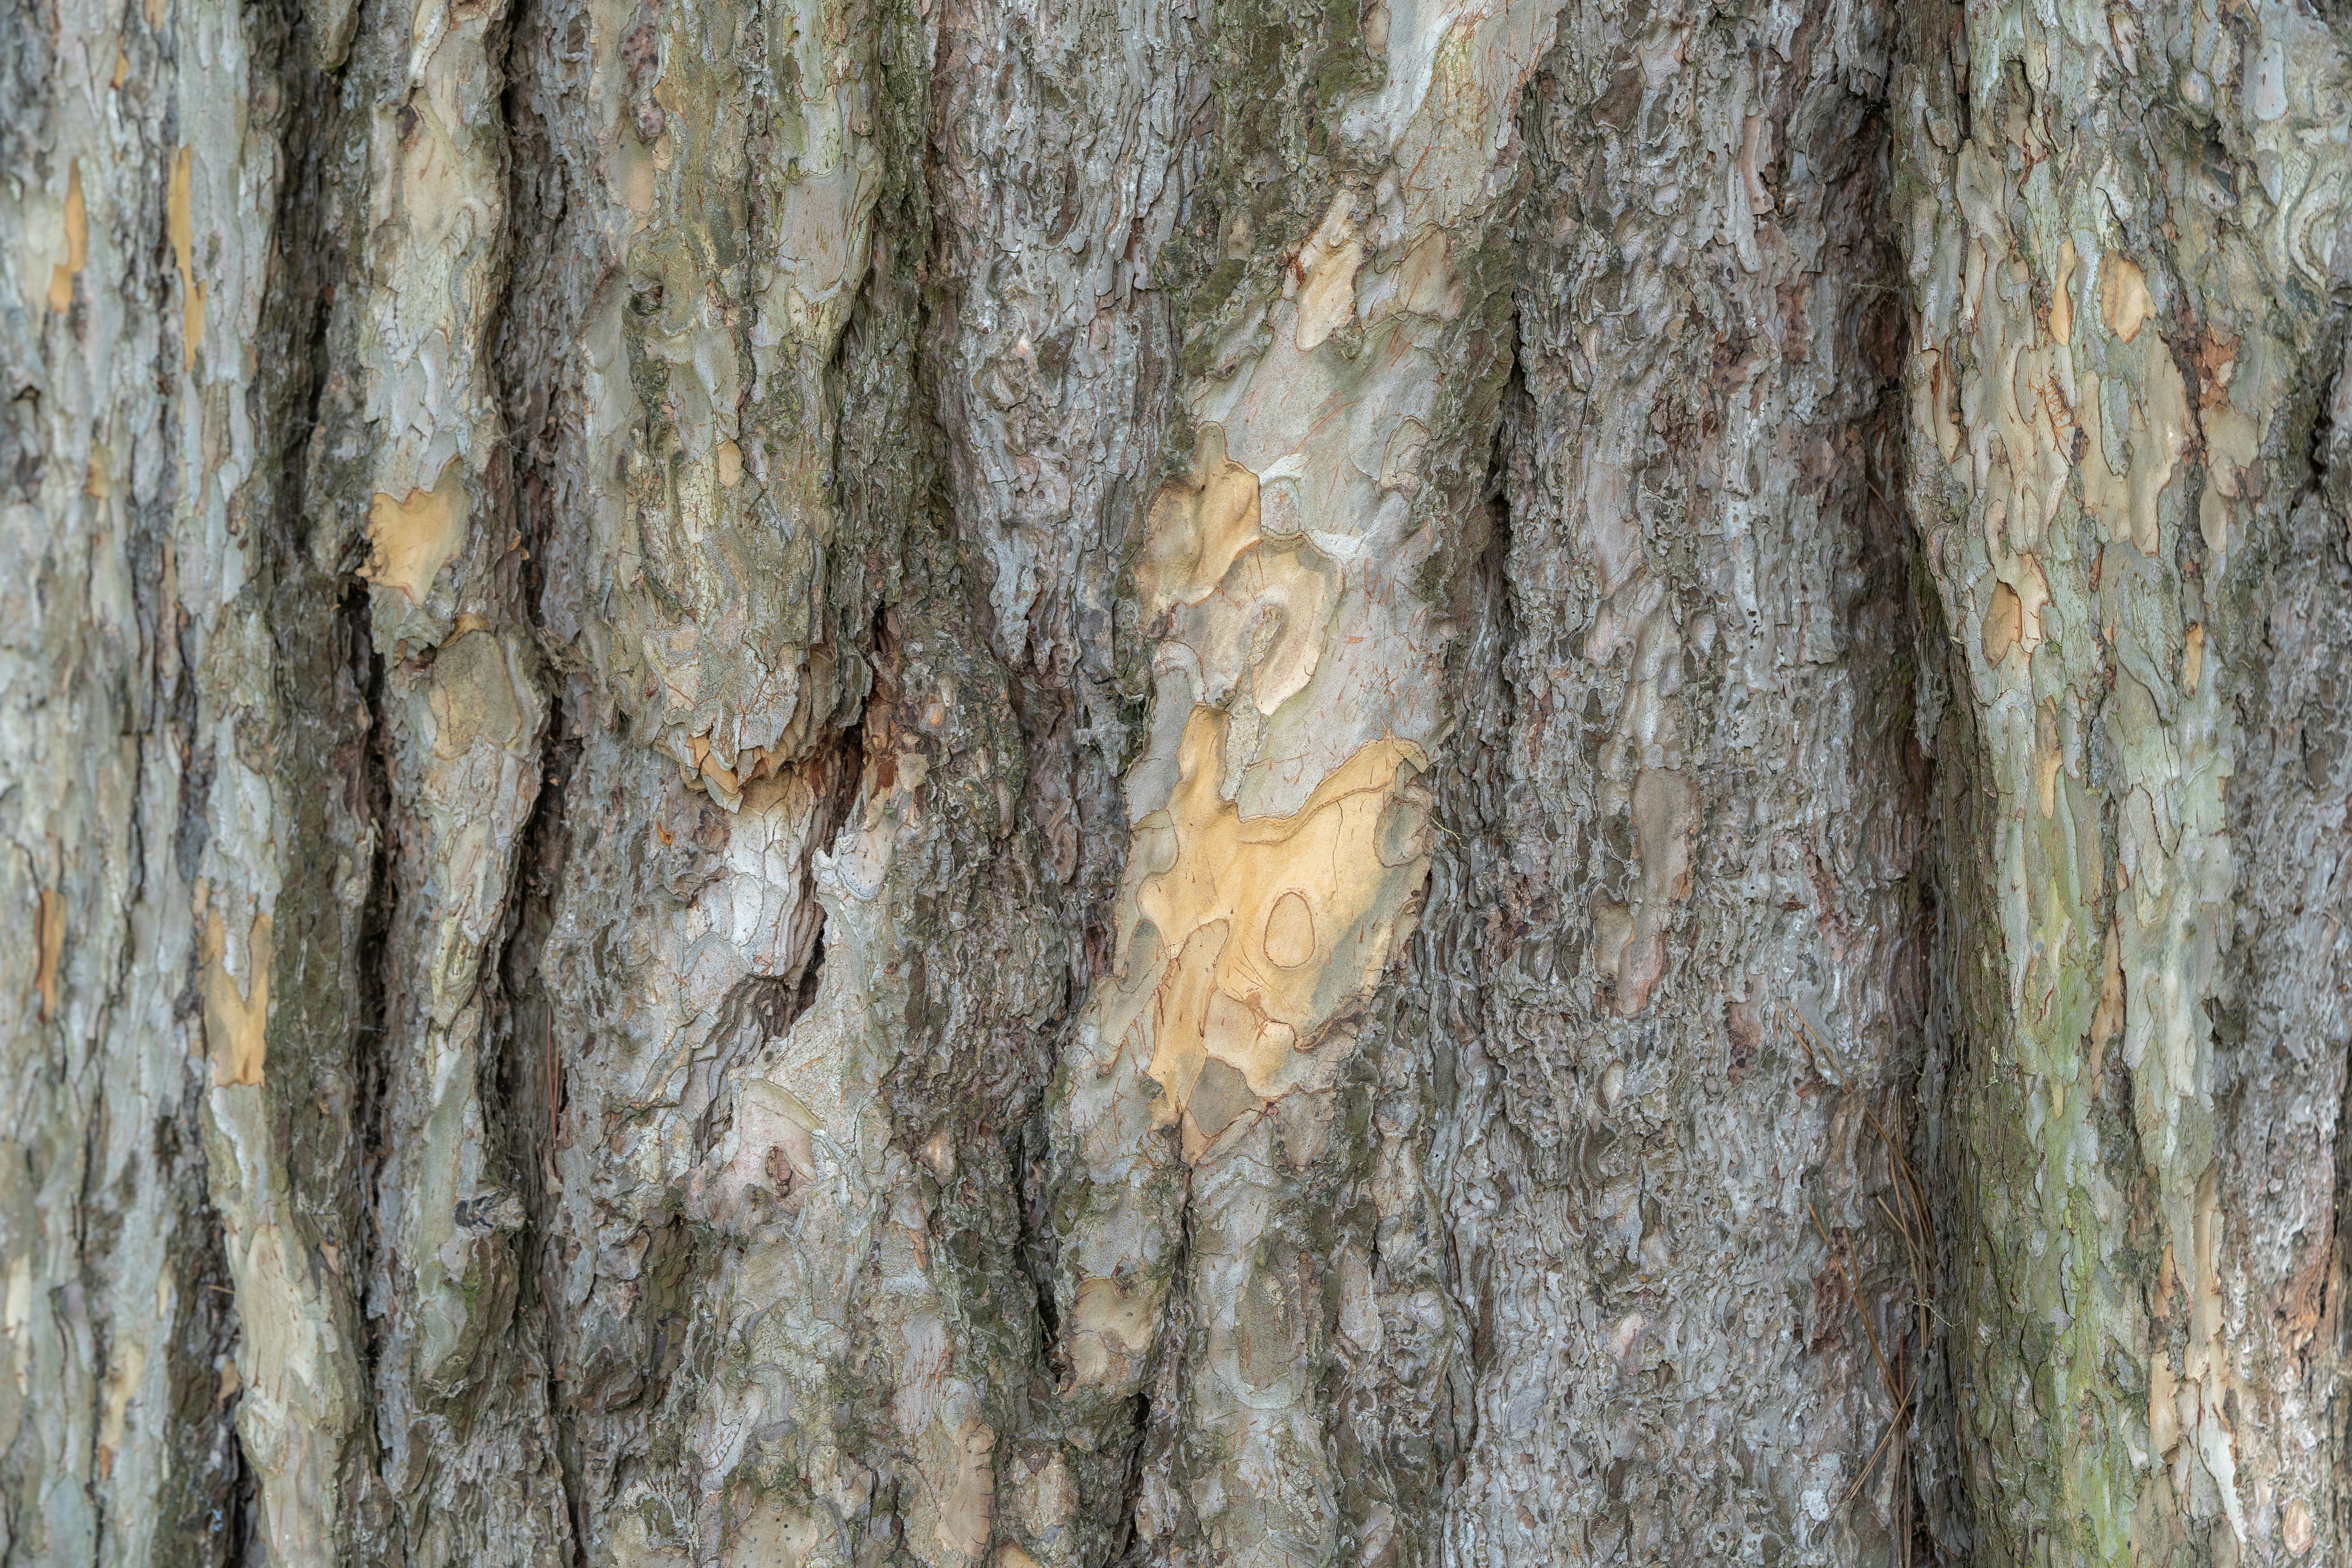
(1705, 611)
(530, 1077)
(1441, 1424)
(213, 1515)
(2286, 1013)
(2331, 464)
(323, 721)
(532, 1068)
(371, 1018)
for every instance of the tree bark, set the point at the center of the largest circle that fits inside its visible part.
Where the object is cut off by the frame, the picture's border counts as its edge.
(2118, 243)
(976, 782)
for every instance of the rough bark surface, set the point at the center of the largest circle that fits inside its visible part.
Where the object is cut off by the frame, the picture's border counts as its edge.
(2117, 228)
(1064, 783)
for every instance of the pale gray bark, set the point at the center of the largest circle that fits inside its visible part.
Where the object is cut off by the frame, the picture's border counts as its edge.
(1701, 1001)
(979, 782)
(2117, 228)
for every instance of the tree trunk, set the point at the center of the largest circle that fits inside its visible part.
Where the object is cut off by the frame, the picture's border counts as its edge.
(952, 782)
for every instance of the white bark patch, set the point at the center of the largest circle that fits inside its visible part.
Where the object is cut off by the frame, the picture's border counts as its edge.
(1329, 263)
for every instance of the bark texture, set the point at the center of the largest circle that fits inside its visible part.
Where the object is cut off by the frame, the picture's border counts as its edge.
(2117, 228)
(1065, 782)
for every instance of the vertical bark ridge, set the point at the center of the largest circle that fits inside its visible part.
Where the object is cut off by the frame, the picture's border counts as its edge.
(2116, 225)
(292, 1145)
(2281, 1103)
(1056, 176)
(1296, 585)
(177, 315)
(457, 1396)
(783, 1325)
(1674, 953)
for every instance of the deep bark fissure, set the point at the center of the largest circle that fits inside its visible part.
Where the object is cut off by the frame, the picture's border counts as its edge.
(1035, 1254)
(372, 1021)
(1123, 1540)
(1902, 1299)
(1938, 1483)
(1494, 699)
(217, 1521)
(2328, 451)
(239, 1529)
(528, 1074)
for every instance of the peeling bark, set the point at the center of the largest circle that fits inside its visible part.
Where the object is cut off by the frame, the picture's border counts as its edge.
(2115, 356)
(973, 782)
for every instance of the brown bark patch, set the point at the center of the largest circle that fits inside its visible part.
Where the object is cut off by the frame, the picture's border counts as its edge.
(2123, 297)
(2003, 624)
(50, 940)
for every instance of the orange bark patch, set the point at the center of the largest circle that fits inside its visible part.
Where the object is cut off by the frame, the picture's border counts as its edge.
(2124, 296)
(180, 218)
(50, 939)
(1272, 925)
(2214, 356)
(1197, 527)
(412, 538)
(2003, 624)
(236, 1020)
(1111, 1323)
(76, 244)
(2062, 295)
